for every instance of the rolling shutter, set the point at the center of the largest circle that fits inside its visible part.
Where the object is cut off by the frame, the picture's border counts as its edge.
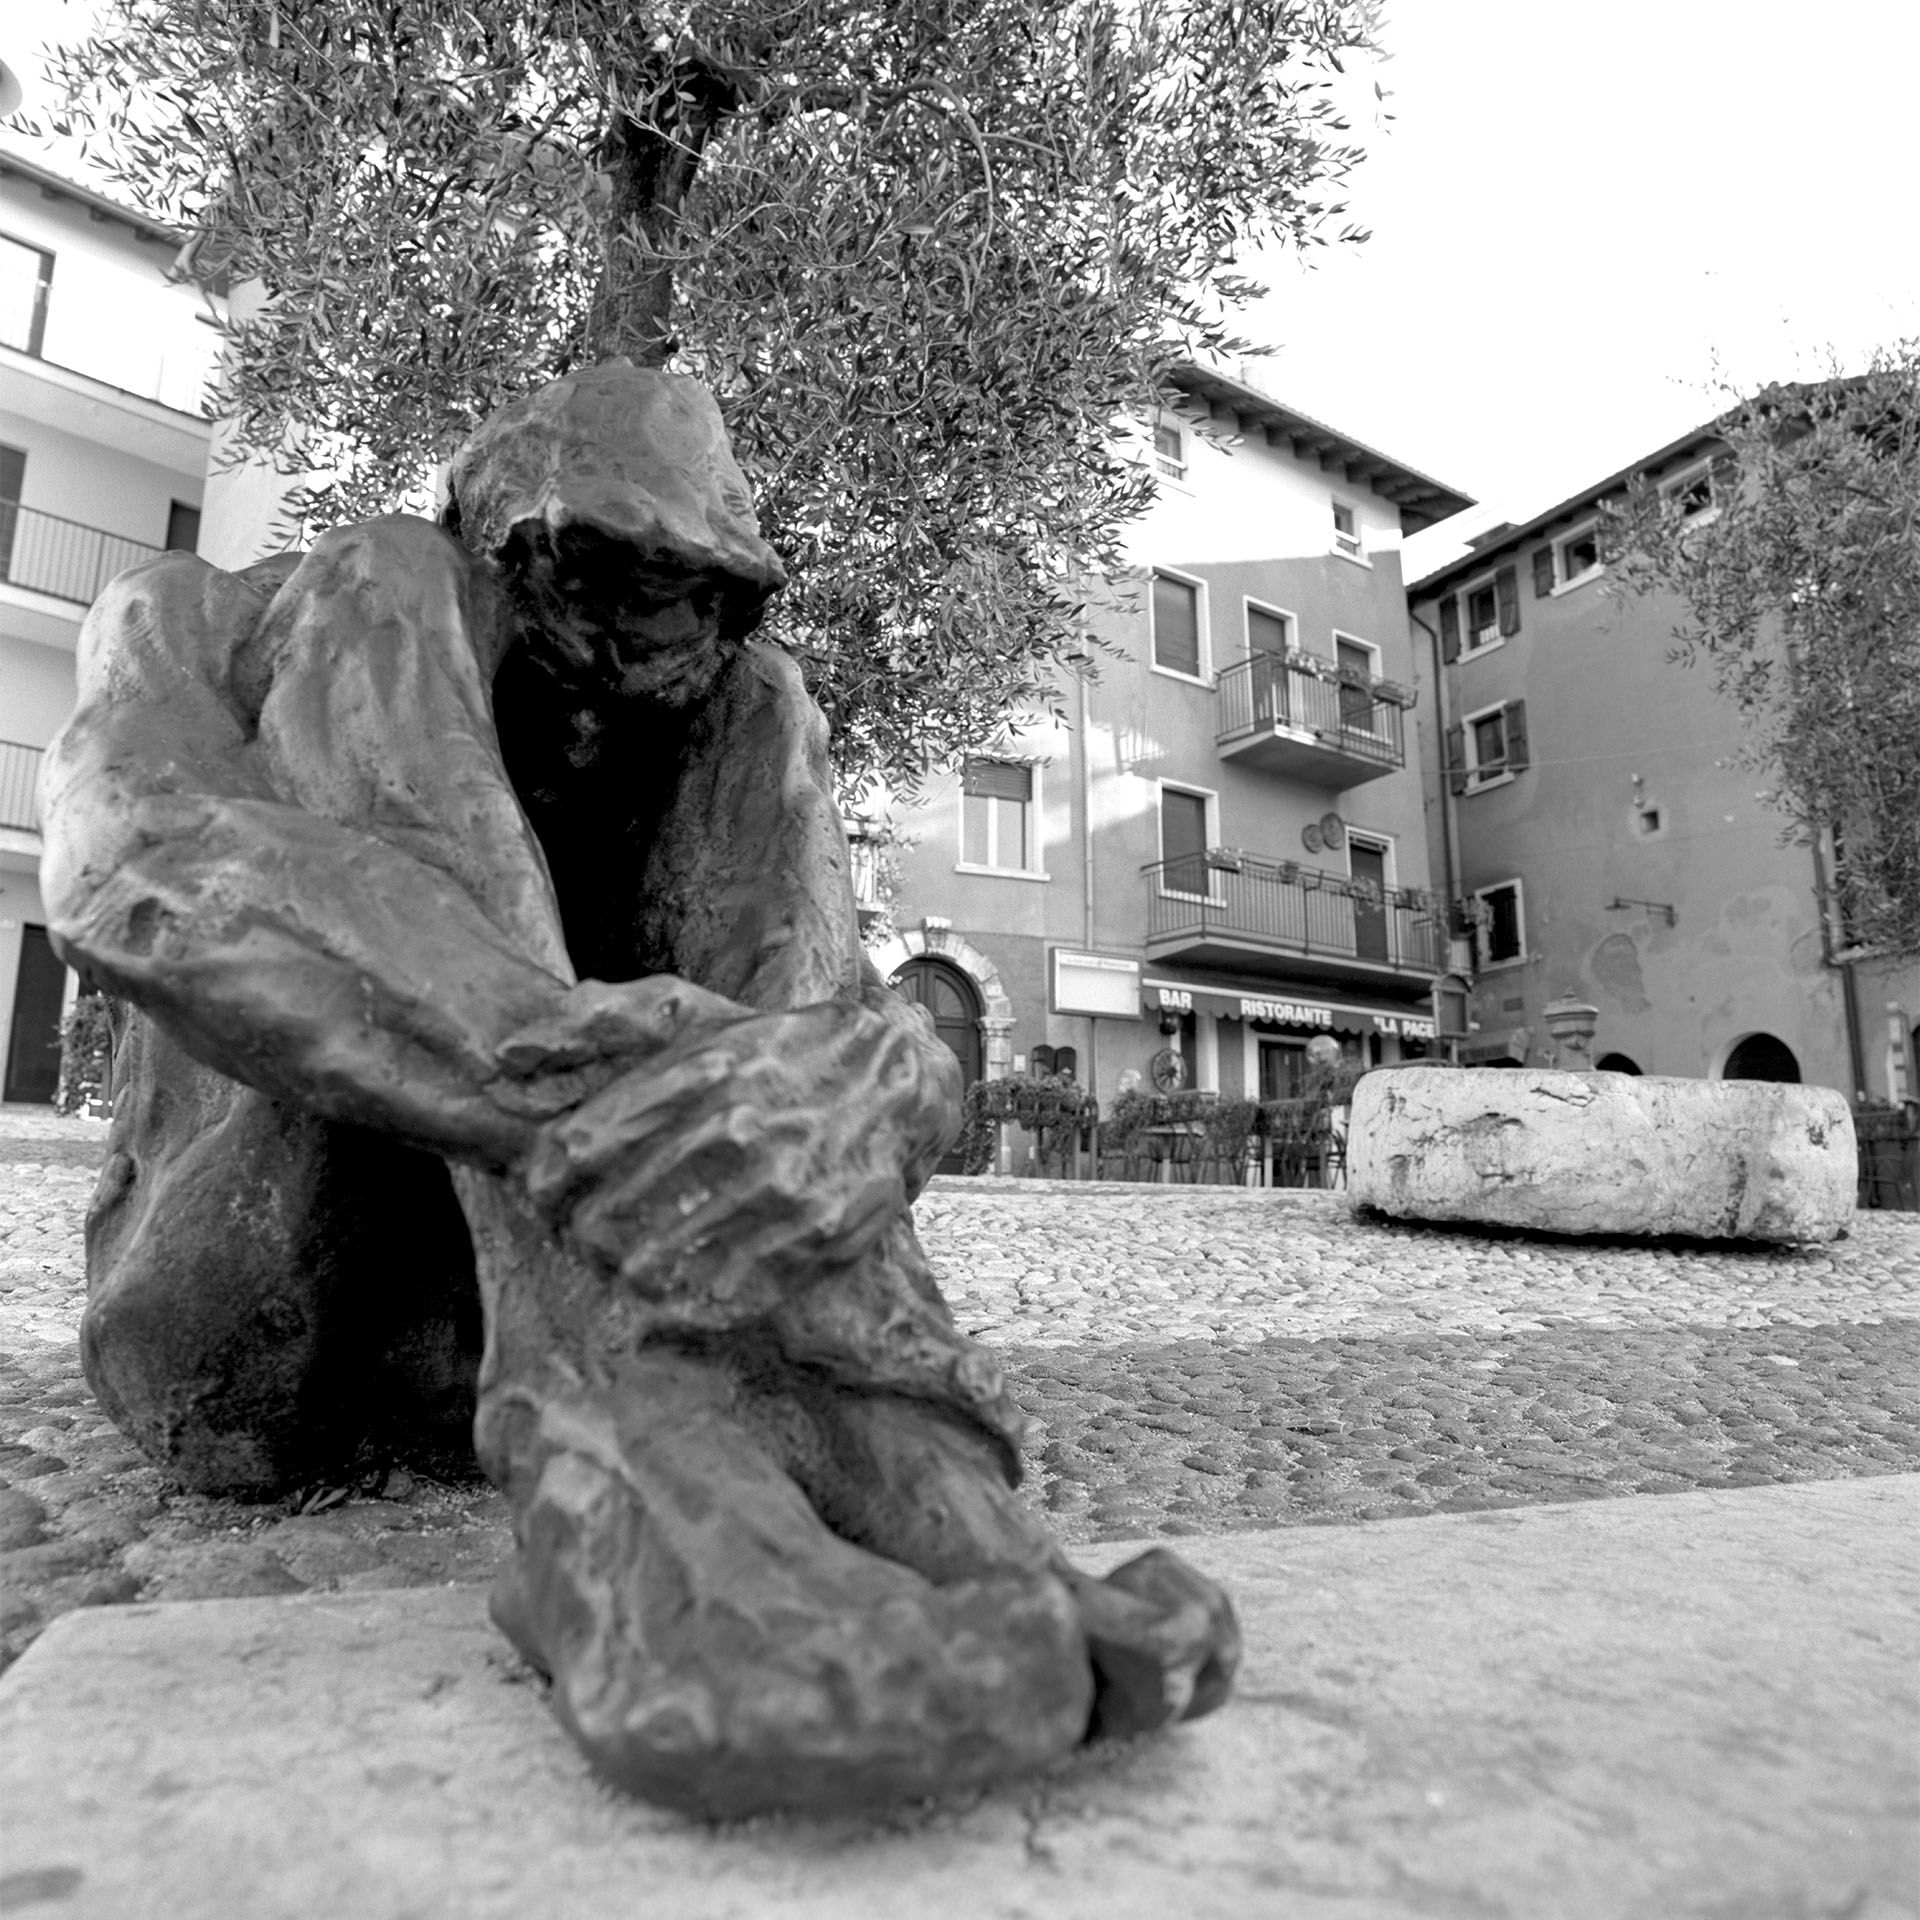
(997, 779)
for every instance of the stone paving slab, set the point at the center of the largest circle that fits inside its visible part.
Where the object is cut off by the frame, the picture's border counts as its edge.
(1703, 1708)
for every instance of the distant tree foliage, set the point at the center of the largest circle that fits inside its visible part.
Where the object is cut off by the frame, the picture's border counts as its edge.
(926, 252)
(1801, 584)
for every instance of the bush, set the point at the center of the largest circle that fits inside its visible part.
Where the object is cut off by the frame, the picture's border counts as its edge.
(1049, 1106)
(86, 1056)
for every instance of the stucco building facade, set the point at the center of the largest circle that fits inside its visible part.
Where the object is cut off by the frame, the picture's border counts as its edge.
(1592, 804)
(102, 456)
(1223, 851)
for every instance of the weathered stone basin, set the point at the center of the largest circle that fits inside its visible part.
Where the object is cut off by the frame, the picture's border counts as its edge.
(1608, 1153)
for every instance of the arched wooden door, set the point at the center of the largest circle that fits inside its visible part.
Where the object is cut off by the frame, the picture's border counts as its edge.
(952, 999)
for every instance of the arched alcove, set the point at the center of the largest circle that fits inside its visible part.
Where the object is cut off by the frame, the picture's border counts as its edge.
(1617, 1063)
(1760, 1056)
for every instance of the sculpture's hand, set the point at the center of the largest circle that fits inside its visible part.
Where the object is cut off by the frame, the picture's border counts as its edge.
(598, 1031)
(739, 1161)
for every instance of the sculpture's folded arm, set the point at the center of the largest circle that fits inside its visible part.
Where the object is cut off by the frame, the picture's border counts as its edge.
(304, 956)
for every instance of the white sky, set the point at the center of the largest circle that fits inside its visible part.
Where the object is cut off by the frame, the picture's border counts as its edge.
(1585, 220)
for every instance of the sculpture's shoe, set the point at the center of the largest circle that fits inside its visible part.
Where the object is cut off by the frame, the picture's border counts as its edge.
(928, 1490)
(714, 1647)
(1163, 1640)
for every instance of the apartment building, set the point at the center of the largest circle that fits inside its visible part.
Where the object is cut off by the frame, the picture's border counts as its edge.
(102, 453)
(1593, 809)
(1224, 852)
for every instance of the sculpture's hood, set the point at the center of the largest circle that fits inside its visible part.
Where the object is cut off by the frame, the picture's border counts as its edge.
(637, 455)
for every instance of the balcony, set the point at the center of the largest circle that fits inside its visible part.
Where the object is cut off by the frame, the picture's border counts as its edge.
(62, 558)
(1284, 714)
(19, 787)
(1238, 910)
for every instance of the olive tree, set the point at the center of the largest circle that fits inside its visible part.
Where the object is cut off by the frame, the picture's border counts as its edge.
(925, 252)
(1800, 583)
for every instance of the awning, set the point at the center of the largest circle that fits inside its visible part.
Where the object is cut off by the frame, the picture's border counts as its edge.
(1275, 1004)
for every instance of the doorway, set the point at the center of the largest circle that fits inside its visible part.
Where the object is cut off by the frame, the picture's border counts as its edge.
(952, 999)
(33, 1046)
(1367, 863)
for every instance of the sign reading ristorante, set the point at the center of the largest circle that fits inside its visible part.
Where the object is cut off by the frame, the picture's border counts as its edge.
(1292, 1013)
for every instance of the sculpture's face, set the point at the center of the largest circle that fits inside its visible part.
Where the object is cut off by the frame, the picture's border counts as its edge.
(612, 503)
(610, 621)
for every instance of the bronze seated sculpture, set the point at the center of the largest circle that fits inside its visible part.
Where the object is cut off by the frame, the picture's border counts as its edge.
(482, 900)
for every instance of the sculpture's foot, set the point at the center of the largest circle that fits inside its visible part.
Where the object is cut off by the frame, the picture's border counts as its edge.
(1161, 1637)
(715, 1647)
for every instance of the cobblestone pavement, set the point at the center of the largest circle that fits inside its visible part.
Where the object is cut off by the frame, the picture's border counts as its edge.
(1193, 1360)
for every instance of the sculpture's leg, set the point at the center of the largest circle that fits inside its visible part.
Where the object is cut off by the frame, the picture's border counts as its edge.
(266, 1290)
(716, 1647)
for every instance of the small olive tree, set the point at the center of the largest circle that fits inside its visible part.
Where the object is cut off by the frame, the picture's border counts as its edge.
(1801, 588)
(926, 253)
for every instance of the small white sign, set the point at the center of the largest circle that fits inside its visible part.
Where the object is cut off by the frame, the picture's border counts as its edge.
(1102, 985)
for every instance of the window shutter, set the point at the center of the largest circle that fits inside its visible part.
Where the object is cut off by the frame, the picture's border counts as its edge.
(1542, 572)
(997, 780)
(1450, 629)
(1457, 757)
(1507, 590)
(1517, 757)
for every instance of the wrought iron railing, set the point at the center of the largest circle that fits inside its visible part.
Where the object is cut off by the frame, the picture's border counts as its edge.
(1296, 909)
(63, 558)
(19, 786)
(1271, 690)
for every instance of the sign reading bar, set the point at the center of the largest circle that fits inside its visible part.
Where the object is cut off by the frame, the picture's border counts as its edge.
(1102, 985)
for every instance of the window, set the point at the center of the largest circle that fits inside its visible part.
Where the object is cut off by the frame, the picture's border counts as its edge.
(1176, 625)
(1184, 839)
(997, 816)
(1486, 613)
(1569, 561)
(1488, 746)
(13, 475)
(1501, 936)
(1579, 556)
(1694, 493)
(1346, 530)
(1169, 450)
(26, 274)
(1283, 1069)
(183, 528)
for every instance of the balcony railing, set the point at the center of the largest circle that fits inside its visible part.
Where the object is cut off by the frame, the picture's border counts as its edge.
(19, 786)
(1243, 903)
(62, 558)
(1277, 712)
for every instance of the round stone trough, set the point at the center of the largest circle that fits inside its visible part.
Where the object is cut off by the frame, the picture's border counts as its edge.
(1603, 1153)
